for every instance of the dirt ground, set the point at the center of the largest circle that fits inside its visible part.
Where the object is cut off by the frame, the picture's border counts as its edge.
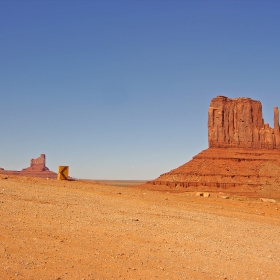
(84, 230)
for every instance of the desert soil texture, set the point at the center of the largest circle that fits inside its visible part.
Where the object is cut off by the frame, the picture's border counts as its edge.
(55, 230)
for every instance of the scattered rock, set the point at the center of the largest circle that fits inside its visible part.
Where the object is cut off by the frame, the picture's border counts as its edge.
(225, 197)
(199, 194)
(268, 200)
(204, 194)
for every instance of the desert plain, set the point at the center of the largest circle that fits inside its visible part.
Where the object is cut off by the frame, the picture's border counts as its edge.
(80, 229)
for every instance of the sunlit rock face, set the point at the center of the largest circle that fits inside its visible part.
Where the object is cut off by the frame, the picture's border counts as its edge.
(243, 153)
(238, 123)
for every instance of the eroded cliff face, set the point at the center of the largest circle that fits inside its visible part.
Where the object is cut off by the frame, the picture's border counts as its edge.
(37, 164)
(243, 153)
(238, 123)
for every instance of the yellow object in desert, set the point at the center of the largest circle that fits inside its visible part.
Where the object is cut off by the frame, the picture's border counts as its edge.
(63, 172)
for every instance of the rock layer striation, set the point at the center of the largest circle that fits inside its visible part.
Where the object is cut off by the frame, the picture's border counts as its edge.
(243, 154)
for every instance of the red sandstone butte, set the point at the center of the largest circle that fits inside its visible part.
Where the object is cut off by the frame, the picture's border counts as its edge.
(37, 164)
(37, 168)
(243, 154)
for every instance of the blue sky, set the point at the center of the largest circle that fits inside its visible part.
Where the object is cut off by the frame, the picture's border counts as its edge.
(120, 89)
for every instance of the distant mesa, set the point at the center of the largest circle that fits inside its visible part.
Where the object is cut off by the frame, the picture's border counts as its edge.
(243, 154)
(37, 168)
(37, 164)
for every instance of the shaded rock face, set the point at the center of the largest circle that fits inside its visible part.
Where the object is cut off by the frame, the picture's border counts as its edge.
(238, 123)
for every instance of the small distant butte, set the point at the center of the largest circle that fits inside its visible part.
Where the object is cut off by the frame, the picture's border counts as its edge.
(243, 155)
(37, 168)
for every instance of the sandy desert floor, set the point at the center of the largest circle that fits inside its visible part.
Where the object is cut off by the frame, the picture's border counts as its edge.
(83, 230)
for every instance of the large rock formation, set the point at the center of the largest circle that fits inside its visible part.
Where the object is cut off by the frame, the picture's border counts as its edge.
(37, 164)
(243, 154)
(37, 168)
(238, 123)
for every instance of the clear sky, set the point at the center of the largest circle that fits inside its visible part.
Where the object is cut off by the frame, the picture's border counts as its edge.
(121, 89)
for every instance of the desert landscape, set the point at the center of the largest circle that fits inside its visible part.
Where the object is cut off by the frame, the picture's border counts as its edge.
(215, 217)
(54, 229)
